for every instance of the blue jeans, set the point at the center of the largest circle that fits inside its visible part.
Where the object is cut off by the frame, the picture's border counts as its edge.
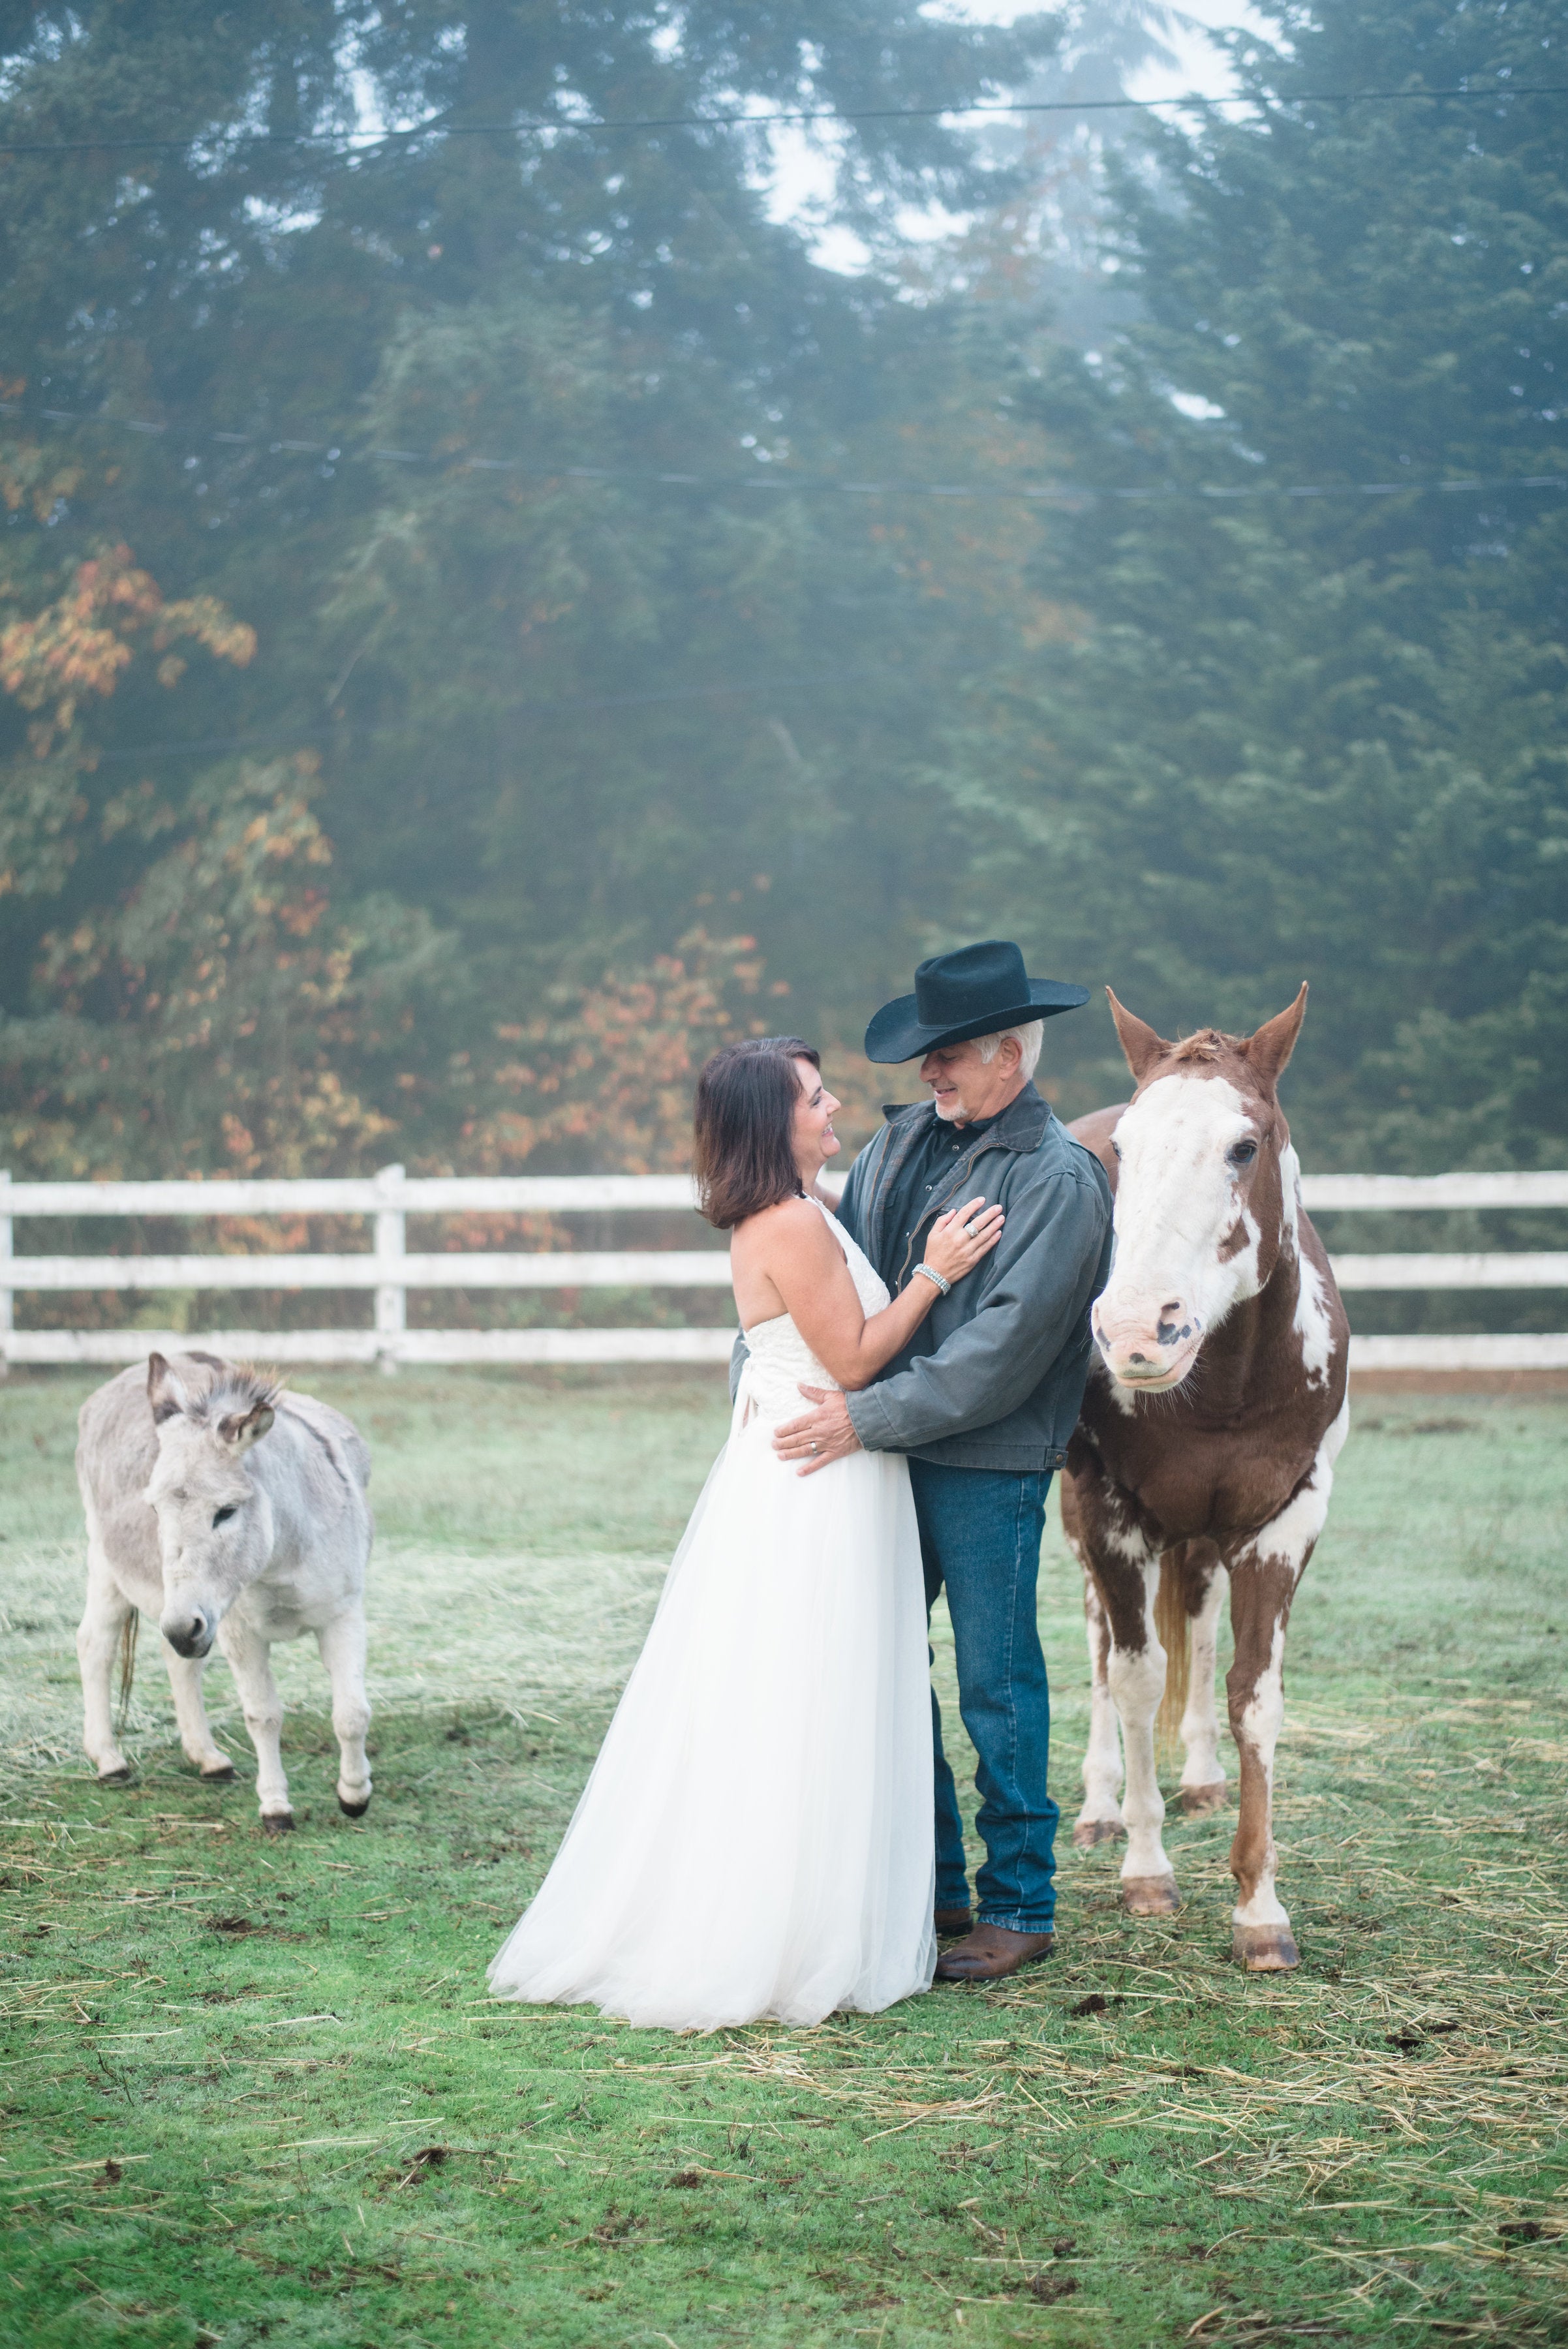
(980, 1534)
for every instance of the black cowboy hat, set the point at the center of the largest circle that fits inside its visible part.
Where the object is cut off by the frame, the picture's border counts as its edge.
(973, 992)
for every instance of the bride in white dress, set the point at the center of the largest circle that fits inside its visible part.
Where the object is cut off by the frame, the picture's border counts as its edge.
(756, 1838)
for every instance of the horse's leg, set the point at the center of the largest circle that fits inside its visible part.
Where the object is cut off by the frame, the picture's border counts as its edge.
(1100, 1820)
(250, 1661)
(1202, 1776)
(1124, 1553)
(1264, 1573)
(342, 1646)
(196, 1732)
(104, 1620)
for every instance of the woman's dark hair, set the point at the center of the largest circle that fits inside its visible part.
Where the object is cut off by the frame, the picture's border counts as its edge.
(742, 1155)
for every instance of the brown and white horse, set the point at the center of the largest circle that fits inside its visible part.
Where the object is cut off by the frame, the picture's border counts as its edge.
(1204, 1453)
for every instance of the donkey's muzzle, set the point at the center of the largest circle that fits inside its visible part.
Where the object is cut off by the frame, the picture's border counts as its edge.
(188, 1634)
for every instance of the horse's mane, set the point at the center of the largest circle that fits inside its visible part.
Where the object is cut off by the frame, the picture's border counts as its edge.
(1209, 1044)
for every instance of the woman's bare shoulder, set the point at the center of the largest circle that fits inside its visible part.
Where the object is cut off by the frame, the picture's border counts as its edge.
(792, 1225)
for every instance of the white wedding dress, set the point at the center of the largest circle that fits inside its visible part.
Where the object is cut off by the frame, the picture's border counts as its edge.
(756, 1838)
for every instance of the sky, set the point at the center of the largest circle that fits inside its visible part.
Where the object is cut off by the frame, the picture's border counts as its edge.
(802, 178)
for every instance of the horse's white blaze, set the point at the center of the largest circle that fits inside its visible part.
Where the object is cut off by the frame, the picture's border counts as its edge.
(1177, 1205)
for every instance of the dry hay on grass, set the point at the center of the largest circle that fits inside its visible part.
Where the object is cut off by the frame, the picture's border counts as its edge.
(529, 1635)
(1378, 2142)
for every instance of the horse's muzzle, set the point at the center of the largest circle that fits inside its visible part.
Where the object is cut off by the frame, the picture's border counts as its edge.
(1152, 1351)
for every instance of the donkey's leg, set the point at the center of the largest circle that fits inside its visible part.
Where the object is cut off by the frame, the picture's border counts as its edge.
(250, 1661)
(1100, 1820)
(1264, 1578)
(342, 1646)
(1202, 1776)
(104, 1622)
(196, 1732)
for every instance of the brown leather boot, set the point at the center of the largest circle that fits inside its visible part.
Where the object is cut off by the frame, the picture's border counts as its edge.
(948, 1922)
(991, 1951)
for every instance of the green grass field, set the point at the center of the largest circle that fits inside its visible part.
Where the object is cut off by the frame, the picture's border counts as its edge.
(254, 2092)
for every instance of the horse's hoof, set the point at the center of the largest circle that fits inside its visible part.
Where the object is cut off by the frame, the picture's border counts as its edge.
(1089, 1832)
(277, 1823)
(1195, 1800)
(224, 1777)
(1150, 1896)
(353, 1810)
(1264, 1948)
(120, 1777)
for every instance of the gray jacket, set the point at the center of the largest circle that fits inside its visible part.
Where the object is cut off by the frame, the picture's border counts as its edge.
(995, 1375)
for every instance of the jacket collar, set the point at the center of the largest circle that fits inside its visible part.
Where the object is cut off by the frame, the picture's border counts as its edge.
(1021, 1125)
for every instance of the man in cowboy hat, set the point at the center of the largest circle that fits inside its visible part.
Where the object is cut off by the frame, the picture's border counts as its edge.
(983, 1398)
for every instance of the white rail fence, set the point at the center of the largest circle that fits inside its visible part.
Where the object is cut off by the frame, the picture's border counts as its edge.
(390, 1269)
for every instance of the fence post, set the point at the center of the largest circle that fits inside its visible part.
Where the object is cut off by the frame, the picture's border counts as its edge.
(6, 1312)
(391, 1296)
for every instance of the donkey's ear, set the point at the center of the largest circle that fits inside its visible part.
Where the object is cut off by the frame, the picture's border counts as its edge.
(1270, 1049)
(164, 1391)
(1138, 1040)
(243, 1428)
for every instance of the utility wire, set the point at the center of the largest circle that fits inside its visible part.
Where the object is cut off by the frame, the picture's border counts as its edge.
(781, 480)
(365, 141)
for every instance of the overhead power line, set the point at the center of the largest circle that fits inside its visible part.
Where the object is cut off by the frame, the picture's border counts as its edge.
(589, 126)
(776, 480)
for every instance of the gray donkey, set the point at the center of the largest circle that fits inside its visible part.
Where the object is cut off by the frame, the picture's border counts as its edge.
(232, 1511)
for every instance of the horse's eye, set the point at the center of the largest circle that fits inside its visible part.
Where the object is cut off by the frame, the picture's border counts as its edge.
(1116, 1145)
(1243, 1153)
(224, 1516)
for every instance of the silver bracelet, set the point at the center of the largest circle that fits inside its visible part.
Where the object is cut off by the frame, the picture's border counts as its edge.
(945, 1285)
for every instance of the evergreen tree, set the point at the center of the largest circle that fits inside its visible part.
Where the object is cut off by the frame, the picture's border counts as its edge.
(561, 711)
(1321, 736)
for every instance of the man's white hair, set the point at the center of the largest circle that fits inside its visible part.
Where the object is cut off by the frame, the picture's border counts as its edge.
(1030, 1038)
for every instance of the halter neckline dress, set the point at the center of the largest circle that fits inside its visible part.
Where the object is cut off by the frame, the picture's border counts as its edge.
(756, 1838)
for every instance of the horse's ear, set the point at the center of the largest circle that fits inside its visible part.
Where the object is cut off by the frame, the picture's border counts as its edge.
(1270, 1048)
(242, 1429)
(164, 1391)
(1142, 1046)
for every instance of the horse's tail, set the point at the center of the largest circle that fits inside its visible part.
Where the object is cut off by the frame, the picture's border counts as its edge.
(128, 1661)
(1174, 1630)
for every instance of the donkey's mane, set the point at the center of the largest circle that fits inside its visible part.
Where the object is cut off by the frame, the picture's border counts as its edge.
(219, 1390)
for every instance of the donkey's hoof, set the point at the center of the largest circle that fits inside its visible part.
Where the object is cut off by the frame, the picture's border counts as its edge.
(1264, 1948)
(1089, 1832)
(121, 1777)
(1150, 1896)
(277, 1823)
(353, 1810)
(1195, 1800)
(223, 1776)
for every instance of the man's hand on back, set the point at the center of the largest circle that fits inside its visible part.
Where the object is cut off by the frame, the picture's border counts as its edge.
(825, 1434)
